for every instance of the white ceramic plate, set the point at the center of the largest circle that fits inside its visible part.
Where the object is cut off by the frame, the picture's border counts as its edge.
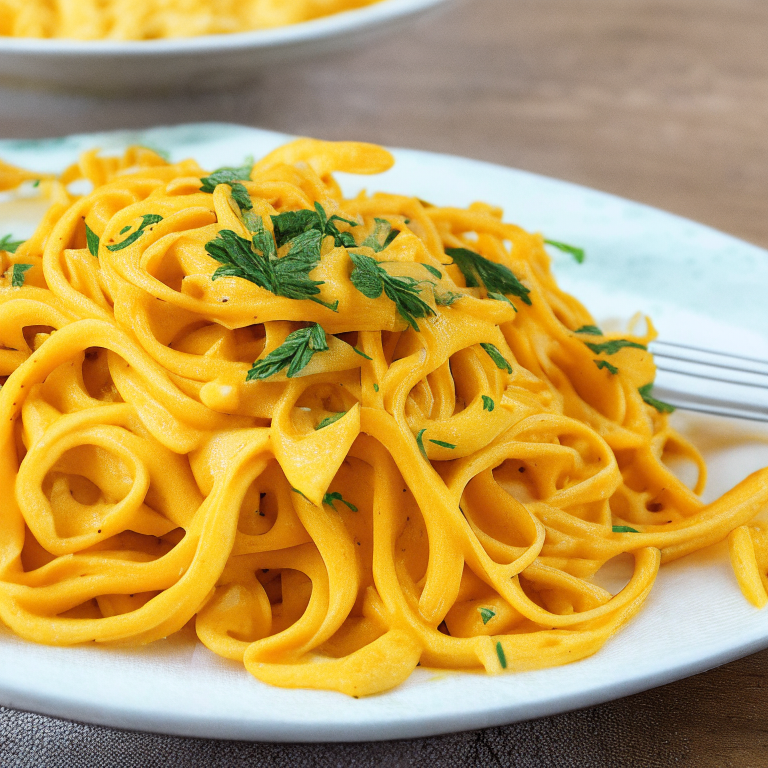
(700, 286)
(195, 63)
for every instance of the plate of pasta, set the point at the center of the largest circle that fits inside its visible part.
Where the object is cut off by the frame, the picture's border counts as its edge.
(204, 44)
(304, 441)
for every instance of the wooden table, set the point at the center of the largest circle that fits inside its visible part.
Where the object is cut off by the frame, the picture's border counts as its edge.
(662, 101)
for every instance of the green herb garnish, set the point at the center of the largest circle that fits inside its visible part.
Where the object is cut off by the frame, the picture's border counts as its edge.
(591, 329)
(125, 229)
(296, 490)
(329, 498)
(420, 442)
(328, 420)
(495, 278)
(241, 197)
(370, 278)
(9, 245)
(294, 353)
(291, 224)
(381, 237)
(433, 271)
(226, 176)
(605, 364)
(500, 654)
(442, 444)
(362, 354)
(486, 614)
(624, 529)
(146, 221)
(19, 273)
(256, 260)
(92, 239)
(613, 346)
(577, 253)
(645, 393)
(375, 387)
(488, 404)
(447, 298)
(497, 357)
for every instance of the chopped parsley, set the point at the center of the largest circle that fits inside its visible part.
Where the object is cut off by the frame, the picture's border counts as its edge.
(591, 329)
(362, 354)
(486, 614)
(92, 239)
(8, 244)
(19, 274)
(488, 404)
(442, 444)
(226, 176)
(497, 357)
(500, 654)
(577, 253)
(645, 393)
(613, 346)
(375, 387)
(495, 278)
(605, 364)
(381, 237)
(256, 260)
(294, 353)
(328, 420)
(624, 529)
(420, 442)
(329, 498)
(146, 221)
(292, 224)
(370, 278)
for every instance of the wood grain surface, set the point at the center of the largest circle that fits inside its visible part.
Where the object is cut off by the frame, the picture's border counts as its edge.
(661, 101)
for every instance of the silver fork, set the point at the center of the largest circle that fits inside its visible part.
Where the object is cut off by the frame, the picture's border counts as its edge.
(698, 379)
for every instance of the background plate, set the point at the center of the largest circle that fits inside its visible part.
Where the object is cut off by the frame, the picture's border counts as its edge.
(193, 63)
(700, 286)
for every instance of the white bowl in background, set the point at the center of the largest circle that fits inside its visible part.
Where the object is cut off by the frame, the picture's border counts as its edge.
(193, 63)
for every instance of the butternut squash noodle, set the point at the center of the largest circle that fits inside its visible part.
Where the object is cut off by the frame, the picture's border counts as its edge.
(337, 437)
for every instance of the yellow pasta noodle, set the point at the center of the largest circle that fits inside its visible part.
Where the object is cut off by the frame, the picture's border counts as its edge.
(337, 437)
(153, 19)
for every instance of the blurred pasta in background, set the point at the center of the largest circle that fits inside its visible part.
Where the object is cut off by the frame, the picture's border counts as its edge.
(153, 19)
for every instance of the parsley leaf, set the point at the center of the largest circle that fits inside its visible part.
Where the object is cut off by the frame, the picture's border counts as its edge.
(495, 278)
(18, 274)
(370, 278)
(362, 354)
(9, 245)
(92, 239)
(433, 271)
(613, 346)
(241, 197)
(420, 442)
(591, 329)
(442, 444)
(645, 393)
(375, 387)
(292, 224)
(605, 364)
(624, 529)
(256, 260)
(382, 236)
(225, 176)
(125, 229)
(447, 298)
(294, 353)
(577, 253)
(296, 490)
(329, 498)
(497, 357)
(500, 654)
(488, 404)
(328, 420)
(486, 614)
(146, 221)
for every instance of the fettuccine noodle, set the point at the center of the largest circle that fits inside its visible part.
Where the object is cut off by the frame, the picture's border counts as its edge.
(153, 19)
(399, 443)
